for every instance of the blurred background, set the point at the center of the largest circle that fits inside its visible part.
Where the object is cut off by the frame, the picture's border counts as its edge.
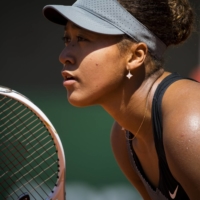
(29, 49)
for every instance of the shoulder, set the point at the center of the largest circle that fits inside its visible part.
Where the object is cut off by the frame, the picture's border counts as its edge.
(181, 133)
(181, 107)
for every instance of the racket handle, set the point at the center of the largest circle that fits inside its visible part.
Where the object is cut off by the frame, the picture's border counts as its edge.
(24, 197)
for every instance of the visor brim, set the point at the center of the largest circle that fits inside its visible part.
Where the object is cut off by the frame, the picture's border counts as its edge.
(61, 14)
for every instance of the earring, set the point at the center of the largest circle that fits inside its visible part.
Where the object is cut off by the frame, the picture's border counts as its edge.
(129, 75)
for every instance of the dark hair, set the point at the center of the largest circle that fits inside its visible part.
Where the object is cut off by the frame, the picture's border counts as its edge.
(170, 20)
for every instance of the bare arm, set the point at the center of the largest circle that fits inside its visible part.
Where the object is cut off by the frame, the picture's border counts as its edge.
(118, 142)
(181, 131)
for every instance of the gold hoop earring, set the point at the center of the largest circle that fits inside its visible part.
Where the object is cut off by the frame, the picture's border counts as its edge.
(129, 75)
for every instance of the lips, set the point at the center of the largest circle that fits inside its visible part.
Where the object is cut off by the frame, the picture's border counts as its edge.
(69, 79)
(67, 76)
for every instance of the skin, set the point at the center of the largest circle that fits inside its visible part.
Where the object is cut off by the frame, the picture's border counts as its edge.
(91, 68)
(99, 77)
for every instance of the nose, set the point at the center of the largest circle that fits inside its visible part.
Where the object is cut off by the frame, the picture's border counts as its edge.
(66, 56)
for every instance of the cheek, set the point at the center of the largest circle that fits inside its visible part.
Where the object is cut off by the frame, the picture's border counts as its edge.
(97, 74)
(102, 76)
(104, 63)
(101, 72)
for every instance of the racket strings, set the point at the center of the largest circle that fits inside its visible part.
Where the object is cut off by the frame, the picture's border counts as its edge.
(23, 185)
(36, 168)
(29, 130)
(14, 129)
(11, 182)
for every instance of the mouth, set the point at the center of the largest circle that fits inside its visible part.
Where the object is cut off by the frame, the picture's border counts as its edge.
(67, 76)
(69, 79)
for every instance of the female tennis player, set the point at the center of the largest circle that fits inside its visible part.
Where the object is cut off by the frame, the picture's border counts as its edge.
(113, 57)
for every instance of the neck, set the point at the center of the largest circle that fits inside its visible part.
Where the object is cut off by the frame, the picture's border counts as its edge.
(131, 108)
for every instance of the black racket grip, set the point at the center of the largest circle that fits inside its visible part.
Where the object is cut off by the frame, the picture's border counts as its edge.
(24, 197)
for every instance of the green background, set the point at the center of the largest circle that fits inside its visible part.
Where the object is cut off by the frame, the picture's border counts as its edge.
(29, 49)
(85, 134)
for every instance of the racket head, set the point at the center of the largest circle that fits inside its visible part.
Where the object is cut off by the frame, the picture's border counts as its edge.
(32, 157)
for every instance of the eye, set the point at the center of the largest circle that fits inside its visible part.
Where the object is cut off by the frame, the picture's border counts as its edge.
(80, 39)
(66, 39)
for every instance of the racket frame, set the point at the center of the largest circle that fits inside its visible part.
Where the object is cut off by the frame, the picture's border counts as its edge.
(58, 192)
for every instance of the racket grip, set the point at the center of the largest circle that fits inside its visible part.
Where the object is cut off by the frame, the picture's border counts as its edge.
(24, 197)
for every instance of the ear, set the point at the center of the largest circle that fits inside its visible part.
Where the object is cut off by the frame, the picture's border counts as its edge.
(137, 55)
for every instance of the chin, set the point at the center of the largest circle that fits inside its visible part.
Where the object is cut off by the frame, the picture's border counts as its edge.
(78, 102)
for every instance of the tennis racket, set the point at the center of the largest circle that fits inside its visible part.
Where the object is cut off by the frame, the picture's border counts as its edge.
(32, 161)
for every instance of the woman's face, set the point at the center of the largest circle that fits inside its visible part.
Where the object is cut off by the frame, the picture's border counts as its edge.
(93, 68)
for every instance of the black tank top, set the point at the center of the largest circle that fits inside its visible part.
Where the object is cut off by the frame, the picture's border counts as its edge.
(168, 187)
